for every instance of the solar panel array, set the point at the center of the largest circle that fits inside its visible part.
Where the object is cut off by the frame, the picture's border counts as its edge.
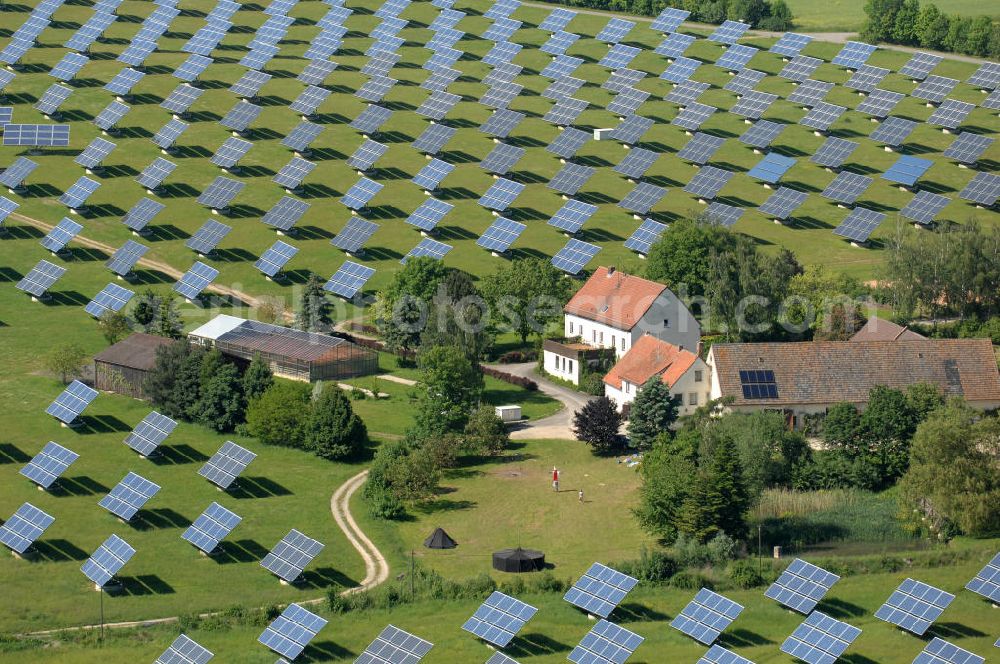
(184, 650)
(226, 465)
(499, 619)
(914, 606)
(211, 527)
(291, 555)
(820, 639)
(706, 616)
(605, 643)
(600, 590)
(48, 465)
(395, 646)
(107, 560)
(112, 298)
(939, 651)
(290, 633)
(801, 586)
(349, 279)
(129, 496)
(987, 581)
(24, 527)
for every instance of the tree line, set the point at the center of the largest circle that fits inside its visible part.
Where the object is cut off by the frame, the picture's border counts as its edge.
(763, 14)
(911, 23)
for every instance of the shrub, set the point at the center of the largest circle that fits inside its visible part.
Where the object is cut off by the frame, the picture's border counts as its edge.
(745, 574)
(690, 581)
(651, 566)
(520, 381)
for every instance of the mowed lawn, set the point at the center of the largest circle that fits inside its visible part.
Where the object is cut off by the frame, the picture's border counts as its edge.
(813, 15)
(548, 638)
(810, 235)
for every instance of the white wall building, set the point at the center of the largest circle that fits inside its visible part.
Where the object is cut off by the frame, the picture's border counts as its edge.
(681, 370)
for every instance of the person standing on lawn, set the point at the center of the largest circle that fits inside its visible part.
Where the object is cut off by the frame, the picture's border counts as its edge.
(555, 479)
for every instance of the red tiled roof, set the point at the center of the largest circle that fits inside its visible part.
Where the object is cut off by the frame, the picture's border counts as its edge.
(614, 298)
(648, 357)
(826, 372)
(879, 329)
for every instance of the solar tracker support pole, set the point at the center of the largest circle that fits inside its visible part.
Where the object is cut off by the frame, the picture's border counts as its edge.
(102, 613)
(411, 573)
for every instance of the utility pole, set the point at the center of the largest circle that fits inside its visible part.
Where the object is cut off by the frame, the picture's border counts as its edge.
(411, 574)
(102, 614)
(760, 558)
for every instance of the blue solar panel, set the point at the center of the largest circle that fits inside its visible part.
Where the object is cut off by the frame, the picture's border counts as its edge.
(24, 527)
(571, 217)
(111, 298)
(605, 643)
(771, 168)
(719, 655)
(429, 214)
(500, 235)
(681, 69)
(562, 65)
(72, 402)
(211, 527)
(150, 433)
(40, 278)
(48, 465)
(124, 81)
(394, 646)
(574, 257)
(729, 32)
(291, 555)
(670, 19)
(644, 237)
(227, 464)
(141, 214)
(559, 43)
(129, 496)
(208, 237)
(349, 279)
(736, 57)
(601, 588)
(675, 45)
(501, 195)
(354, 235)
(706, 616)
(52, 135)
(907, 170)
(914, 606)
(801, 586)
(854, 54)
(70, 65)
(192, 68)
(499, 619)
(987, 581)
(108, 560)
(939, 651)
(195, 280)
(184, 651)
(61, 235)
(790, 44)
(428, 247)
(820, 639)
(557, 20)
(274, 259)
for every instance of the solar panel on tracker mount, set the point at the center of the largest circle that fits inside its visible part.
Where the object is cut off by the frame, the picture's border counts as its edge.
(376, 88)
(137, 51)
(771, 168)
(107, 561)
(301, 136)
(220, 193)
(674, 45)
(563, 87)
(790, 44)
(111, 298)
(394, 646)
(706, 616)
(729, 32)
(700, 148)
(36, 136)
(501, 95)
(501, 9)
(681, 69)
(939, 651)
(195, 280)
(438, 105)
(924, 207)
(316, 72)
(141, 214)
(111, 115)
(500, 658)
(645, 236)
(70, 65)
(719, 655)
(431, 175)
(50, 101)
(605, 643)
(635, 164)
(434, 138)
(601, 588)
(669, 19)
(745, 81)
(150, 433)
(192, 68)
(124, 81)
(229, 153)
(429, 214)
(753, 104)
(129, 496)
(619, 56)
(7, 207)
(500, 235)
(349, 279)
(24, 527)
(893, 131)
(986, 77)
(736, 57)
(987, 581)
(241, 116)
(208, 237)
(153, 175)
(444, 58)
(293, 173)
(380, 64)
(61, 235)
(801, 585)
(370, 120)
(290, 633)
(920, 65)
(568, 142)
(354, 235)
(557, 20)
(692, 116)
(820, 639)
(984, 189)
(880, 103)
(859, 224)
(761, 134)
(810, 92)
(951, 113)
(707, 182)
(866, 78)
(627, 102)
(853, 54)
(559, 42)
(40, 278)
(440, 79)
(822, 116)
(227, 464)
(967, 148)
(934, 88)
(782, 203)
(250, 84)
(501, 195)
(615, 30)
(361, 193)
(428, 247)
(642, 198)
(847, 187)
(181, 98)
(722, 214)
(914, 606)
(574, 256)
(500, 124)
(800, 68)
(48, 465)
(366, 155)
(501, 159)
(562, 65)
(291, 555)
(631, 130)
(184, 651)
(502, 52)
(907, 170)
(623, 79)
(571, 217)
(274, 258)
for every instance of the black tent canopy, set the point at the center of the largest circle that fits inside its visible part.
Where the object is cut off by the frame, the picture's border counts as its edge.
(518, 560)
(439, 539)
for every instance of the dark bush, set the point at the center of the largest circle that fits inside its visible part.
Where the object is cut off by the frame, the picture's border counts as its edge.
(745, 574)
(690, 581)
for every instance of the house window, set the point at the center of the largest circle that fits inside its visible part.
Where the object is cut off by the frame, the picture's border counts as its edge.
(693, 399)
(623, 343)
(571, 328)
(614, 341)
(593, 335)
(602, 338)
(627, 386)
(697, 376)
(569, 366)
(666, 323)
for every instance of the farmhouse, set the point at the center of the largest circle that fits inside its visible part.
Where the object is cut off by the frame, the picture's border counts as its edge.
(681, 370)
(294, 354)
(123, 367)
(612, 311)
(879, 329)
(801, 379)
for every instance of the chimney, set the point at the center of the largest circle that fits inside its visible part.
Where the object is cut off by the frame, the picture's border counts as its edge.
(699, 348)
(611, 271)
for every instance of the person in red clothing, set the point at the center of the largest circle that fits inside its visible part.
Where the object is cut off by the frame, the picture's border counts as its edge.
(555, 479)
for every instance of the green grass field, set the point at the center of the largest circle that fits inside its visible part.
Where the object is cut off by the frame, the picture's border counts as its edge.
(836, 15)
(557, 627)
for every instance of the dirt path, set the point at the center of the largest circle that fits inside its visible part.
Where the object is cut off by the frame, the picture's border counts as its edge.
(376, 567)
(831, 37)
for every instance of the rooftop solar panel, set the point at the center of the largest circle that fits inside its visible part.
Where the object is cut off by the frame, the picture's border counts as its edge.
(571, 217)
(107, 561)
(41, 136)
(24, 527)
(771, 168)
(195, 280)
(642, 198)
(780, 205)
(706, 616)
(291, 555)
(761, 134)
(500, 235)
(801, 585)
(722, 214)
(669, 19)
(574, 256)
(184, 650)
(924, 207)
(61, 235)
(227, 464)
(353, 236)
(111, 298)
(986, 77)
(429, 214)
(920, 65)
(866, 78)
(606, 643)
(984, 189)
(48, 465)
(393, 646)
(810, 92)
(291, 632)
(708, 181)
(208, 237)
(367, 154)
(854, 54)
(859, 224)
(820, 639)
(40, 278)
(349, 279)
(129, 496)
(275, 257)
(644, 237)
(181, 98)
(987, 581)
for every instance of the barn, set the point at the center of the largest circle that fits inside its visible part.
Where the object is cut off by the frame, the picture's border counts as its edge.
(123, 367)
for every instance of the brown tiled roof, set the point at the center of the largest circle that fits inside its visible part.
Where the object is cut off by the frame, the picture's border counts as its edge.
(879, 329)
(137, 351)
(614, 298)
(824, 372)
(648, 357)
